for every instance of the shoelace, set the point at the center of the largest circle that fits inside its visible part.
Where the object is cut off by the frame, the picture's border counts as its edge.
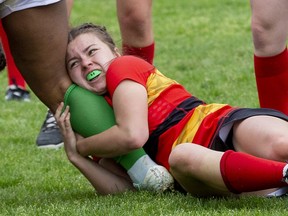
(50, 122)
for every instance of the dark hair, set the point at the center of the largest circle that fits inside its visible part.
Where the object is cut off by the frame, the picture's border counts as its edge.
(99, 31)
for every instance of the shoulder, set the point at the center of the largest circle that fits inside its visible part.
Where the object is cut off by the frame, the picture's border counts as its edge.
(130, 62)
(127, 67)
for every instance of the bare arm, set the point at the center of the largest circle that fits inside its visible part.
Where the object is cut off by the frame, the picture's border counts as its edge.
(107, 178)
(103, 180)
(131, 129)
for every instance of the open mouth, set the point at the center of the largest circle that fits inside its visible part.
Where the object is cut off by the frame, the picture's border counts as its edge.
(93, 75)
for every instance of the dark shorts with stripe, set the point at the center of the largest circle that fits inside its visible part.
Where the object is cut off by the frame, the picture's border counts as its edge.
(225, 129)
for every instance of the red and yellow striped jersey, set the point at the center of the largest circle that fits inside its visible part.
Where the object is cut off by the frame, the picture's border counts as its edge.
(174, 115)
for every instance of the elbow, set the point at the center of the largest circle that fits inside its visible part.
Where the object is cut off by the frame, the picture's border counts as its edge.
(81, 149)
(137, 139)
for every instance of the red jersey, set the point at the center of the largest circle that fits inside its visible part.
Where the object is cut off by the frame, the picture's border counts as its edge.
(174, 115)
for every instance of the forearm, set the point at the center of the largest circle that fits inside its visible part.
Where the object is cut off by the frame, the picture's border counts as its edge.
(104, 181)
(108, 144)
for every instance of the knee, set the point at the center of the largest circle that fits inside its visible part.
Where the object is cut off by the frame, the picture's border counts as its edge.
(134, 20)
(261, 32)
(279, 148)
(264, 34)
(176, 157)
(182, 157)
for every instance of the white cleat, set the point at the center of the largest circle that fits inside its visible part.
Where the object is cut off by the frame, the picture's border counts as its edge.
(157, 179)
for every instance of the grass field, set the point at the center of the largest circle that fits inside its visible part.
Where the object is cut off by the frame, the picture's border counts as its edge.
(205, 45)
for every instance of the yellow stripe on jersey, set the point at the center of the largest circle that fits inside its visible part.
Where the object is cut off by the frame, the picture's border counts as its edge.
(157, 83)
(192, 126)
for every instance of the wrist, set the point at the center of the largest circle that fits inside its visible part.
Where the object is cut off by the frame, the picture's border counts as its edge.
(73, 157)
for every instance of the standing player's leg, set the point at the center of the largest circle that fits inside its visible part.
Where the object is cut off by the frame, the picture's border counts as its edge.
(135, 21)
(38, 41)
(49, 135)
(269, 29)
(16, 89)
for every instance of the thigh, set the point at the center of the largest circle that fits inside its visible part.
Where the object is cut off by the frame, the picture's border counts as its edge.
(38, 44)
(9, 6)
(268, 11)
(262, 136)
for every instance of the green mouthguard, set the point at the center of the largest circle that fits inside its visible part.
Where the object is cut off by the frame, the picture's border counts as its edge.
(92, 75)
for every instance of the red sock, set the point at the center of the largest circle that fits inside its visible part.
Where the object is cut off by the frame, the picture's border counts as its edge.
(245, 173)
(146, 53)
(14, 76)
(272, 81)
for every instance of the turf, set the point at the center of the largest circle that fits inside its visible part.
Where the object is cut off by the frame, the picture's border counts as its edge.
(205, 45)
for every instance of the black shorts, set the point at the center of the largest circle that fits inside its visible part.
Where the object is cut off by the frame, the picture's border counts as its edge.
(223, 138)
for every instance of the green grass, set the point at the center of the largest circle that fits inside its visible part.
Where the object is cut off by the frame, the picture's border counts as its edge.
(205, 45)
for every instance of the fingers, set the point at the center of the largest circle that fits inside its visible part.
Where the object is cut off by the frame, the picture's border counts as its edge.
(59, 111)
(65, 113)
(63, 120)
(67, 119)
(63, 117)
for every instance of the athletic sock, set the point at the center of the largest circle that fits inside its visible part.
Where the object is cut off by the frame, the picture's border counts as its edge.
(146, 53)
(245, 173)
(128, 160)
(272, 81)
(88, 123)
(139, 169)
(14, 76)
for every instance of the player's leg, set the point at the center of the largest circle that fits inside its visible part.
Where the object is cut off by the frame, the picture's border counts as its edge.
(268, 24)
(197, 169)
(135, 21)
(262, 136)
(2, 59)
(49, 135)
(202, 171)
(38, 41)
(269, 19)
(16, 89)
(14, 76)
(267, 139)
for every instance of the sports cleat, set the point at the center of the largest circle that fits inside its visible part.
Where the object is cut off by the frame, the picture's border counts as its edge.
(13, 92)
(285, 174)
(283, 191)
(49, 135)
(157, 179)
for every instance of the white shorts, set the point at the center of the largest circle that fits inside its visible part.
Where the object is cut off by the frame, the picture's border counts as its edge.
(9, 6)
